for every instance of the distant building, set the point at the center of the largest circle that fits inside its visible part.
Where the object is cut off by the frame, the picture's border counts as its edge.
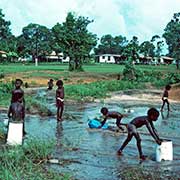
(57, 57)
(109, 58)
(3, 54)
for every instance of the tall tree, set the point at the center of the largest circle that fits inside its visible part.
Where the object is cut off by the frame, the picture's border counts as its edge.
(111, 45)
(158, 44)
(74, 40)
(35, 40)
(132, 49)
(147, 48)
(172, 36)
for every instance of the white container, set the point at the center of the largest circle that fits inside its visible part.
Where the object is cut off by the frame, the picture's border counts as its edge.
(15, 133)
(164, 151)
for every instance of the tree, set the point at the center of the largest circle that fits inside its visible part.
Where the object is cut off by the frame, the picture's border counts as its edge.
(158, 44)
(147, 49)
(74, 40)
(35, 40)
(172, 36)
(131, 50)
(111, 45)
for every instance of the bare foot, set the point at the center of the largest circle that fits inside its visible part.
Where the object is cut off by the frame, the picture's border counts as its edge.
(119, 153)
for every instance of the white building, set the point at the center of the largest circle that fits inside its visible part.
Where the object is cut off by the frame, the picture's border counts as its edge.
(108, 58)
(59, 56)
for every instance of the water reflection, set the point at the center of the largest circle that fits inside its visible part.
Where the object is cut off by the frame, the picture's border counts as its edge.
(165, 115)
(59, 134)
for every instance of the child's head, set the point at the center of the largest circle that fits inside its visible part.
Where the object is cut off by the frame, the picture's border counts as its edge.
(51, 80)
(59, 83)
(168, 87)
(104, 110)
(18, 83)
(153, 114)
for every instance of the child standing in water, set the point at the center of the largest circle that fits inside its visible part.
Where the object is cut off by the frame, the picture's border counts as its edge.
(152, 115)
(50, 84)
(59, 99)
(165, 97)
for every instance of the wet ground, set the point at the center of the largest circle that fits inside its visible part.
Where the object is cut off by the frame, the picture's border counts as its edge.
(90, 154)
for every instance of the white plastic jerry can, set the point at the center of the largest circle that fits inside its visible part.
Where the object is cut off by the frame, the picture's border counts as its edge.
(164, 151)
(15, 133)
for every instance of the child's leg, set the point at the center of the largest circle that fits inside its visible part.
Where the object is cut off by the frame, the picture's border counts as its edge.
(118, 124)
(58, 110)
(129, 137)
(138, 139)
(168, 105)
(163, 105)
(61, 112)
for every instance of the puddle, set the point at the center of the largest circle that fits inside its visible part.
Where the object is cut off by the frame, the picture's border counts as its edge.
(91, 154)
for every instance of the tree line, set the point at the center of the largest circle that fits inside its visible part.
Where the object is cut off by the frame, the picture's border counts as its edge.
(73, 39)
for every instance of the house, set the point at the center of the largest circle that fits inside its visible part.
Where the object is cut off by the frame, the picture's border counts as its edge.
(166, 60)
(109, 58)
(57, 57)
(3, 54)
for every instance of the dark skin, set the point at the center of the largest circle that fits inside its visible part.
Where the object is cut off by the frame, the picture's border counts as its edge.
(137, 123)
(18, 93)
(165, 99)
(114, 115)
(50, 84)
(60, 101)
(16, 113)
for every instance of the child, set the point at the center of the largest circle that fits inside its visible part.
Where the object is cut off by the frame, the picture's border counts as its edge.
(152, 115)
(18, 93)
(50, 84)
(59, 99)
(111, 114)
(16, 113)
(165, 97)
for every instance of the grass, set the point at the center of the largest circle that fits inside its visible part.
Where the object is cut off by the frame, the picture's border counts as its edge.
(142, 173)
(28, 162)
(95, 68)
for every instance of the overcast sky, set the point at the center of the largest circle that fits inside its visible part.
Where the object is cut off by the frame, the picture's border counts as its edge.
(142, 18)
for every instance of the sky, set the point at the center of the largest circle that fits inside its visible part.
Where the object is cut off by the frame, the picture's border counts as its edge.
(141, 18)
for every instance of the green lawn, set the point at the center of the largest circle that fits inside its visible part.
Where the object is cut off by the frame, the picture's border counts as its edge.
(95, 68)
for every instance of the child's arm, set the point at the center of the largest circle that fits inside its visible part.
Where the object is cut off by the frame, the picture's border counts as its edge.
(103, 122)
(9, 112)
(153, 134)
(154, 130)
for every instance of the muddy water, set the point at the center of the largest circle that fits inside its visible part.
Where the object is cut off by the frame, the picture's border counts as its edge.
(90, 154)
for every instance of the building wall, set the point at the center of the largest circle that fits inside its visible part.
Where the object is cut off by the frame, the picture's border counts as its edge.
(106, 59)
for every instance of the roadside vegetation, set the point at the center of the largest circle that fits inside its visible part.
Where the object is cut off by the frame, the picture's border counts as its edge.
(28, 161)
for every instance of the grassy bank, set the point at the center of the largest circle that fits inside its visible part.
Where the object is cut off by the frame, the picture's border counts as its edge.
(28, 162)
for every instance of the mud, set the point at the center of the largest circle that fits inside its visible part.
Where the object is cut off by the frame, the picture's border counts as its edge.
(91, 153)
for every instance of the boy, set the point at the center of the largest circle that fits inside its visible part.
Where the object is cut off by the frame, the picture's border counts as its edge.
(152, 115)
(165, 97)
(50, 84)
(16, 113)
(59, 99)
(18, 93)
(111, 114)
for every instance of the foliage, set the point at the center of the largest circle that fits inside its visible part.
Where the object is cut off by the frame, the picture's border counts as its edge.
(111, 45)
(129, 71)
(27, 162)
(34, 105)
(172, 36)
(73, 39)
(35, 41)
(99, 89)
(5, 87)
(147, 48)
